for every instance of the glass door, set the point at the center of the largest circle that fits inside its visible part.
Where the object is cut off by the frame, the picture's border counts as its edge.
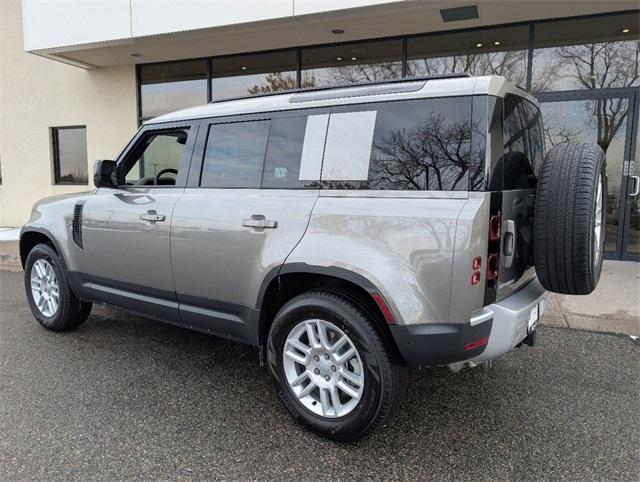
(608, 118)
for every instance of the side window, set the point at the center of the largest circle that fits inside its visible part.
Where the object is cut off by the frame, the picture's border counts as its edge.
(294, 153)
(157, 160)
(536, 136)
(235, 154)
(522, 143)
(405, 145)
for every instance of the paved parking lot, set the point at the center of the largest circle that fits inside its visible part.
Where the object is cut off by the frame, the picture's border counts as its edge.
(123, 397)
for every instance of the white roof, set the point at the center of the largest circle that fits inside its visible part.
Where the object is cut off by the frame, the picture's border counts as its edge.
(445, 87)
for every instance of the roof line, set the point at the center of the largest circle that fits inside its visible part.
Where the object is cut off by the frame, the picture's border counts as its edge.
(349, 86)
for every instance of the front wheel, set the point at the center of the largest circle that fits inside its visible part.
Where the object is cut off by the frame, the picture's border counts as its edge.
(50, 298)
(331, 367)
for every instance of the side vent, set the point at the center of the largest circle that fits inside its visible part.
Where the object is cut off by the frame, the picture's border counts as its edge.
(76, 227)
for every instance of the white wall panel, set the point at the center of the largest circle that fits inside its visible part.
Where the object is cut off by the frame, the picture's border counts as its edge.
(150, 17)
(58, 23)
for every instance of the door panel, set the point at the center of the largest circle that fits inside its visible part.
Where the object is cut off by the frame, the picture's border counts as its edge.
(122, 247)
(126, 228)
(219, 249)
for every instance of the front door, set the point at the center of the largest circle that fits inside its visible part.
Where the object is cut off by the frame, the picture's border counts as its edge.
(126, 229)
(608, 118)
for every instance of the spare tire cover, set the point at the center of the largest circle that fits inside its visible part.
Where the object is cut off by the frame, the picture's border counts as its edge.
(569, 220)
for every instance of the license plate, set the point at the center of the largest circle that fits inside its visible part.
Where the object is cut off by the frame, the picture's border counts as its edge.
(533, 319)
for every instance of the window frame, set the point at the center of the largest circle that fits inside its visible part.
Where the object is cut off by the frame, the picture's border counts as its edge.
(197, 165)
(132, 151)
(55, 155)
(362, 185)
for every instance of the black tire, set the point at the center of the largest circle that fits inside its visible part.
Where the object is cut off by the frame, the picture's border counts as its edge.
(385, 378)
(567, 259)
(71, 311)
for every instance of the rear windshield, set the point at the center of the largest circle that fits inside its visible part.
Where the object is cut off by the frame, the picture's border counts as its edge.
(523, 143)
(421, 144)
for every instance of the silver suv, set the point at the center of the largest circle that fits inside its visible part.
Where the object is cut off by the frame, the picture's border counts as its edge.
(347, 232)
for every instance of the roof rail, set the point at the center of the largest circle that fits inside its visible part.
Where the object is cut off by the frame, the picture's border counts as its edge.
(348, 86)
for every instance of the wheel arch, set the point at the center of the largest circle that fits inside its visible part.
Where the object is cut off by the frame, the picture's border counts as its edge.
(33, 236)
(283, 284)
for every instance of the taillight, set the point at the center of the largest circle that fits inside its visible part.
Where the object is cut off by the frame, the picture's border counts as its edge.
(495, 227)
(476, 264)
(493, 262)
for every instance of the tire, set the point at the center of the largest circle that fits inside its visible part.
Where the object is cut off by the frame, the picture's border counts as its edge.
(568, 216)
(69, 311)
(384, 377)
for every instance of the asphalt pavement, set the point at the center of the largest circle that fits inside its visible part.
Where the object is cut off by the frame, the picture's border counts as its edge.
(127, 398)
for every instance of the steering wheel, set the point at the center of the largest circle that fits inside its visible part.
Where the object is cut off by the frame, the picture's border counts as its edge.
(156, 180)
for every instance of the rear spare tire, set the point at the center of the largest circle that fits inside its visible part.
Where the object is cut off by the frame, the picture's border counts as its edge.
(569, 221)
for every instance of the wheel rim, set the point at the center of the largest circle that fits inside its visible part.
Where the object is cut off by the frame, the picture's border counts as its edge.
(44, 288)
(597, 228)
(323, 368)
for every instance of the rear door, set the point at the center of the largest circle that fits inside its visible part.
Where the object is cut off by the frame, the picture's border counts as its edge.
(250, 195)
(522, 157)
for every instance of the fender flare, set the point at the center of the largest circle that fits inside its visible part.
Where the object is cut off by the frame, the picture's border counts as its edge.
(46, 233)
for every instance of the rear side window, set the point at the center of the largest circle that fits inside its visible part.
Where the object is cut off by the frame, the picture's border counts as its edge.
(279, 153)
(406, 145)
(235, 154)
(523, 143)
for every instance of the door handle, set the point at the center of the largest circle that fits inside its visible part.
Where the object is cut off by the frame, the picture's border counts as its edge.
(258, 221)
(152, 216)
(635, 186)
(509, 242)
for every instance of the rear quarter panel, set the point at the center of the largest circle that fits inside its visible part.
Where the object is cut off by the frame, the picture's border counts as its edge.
(403, 242)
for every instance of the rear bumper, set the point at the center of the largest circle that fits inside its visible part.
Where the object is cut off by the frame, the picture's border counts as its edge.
(496, 330)
(511, 319)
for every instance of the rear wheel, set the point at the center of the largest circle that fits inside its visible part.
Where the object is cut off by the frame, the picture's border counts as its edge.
(50, 298)
(331, 368)
(570, 218)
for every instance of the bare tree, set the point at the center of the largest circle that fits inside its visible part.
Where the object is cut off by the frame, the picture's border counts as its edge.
(600, 66)
(433, 155)
(511, 64)
(275, 81)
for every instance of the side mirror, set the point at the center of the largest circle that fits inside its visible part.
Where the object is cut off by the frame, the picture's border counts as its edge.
(104, 173)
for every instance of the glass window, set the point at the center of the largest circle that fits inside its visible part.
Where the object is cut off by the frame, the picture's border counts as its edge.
(235, 154)
(254, 74)
(70, 155)
(285, 152)
(523, 143)
(173, 86)
(500, 51)
(593, 53)
(603, 121)
(351, 63)
(157, 160)
(412, 145)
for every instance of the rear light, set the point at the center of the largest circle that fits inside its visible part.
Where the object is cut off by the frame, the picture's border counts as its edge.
(475, 344)
(476, 263)
(495, 227)
(475, 277)
(492, 266)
